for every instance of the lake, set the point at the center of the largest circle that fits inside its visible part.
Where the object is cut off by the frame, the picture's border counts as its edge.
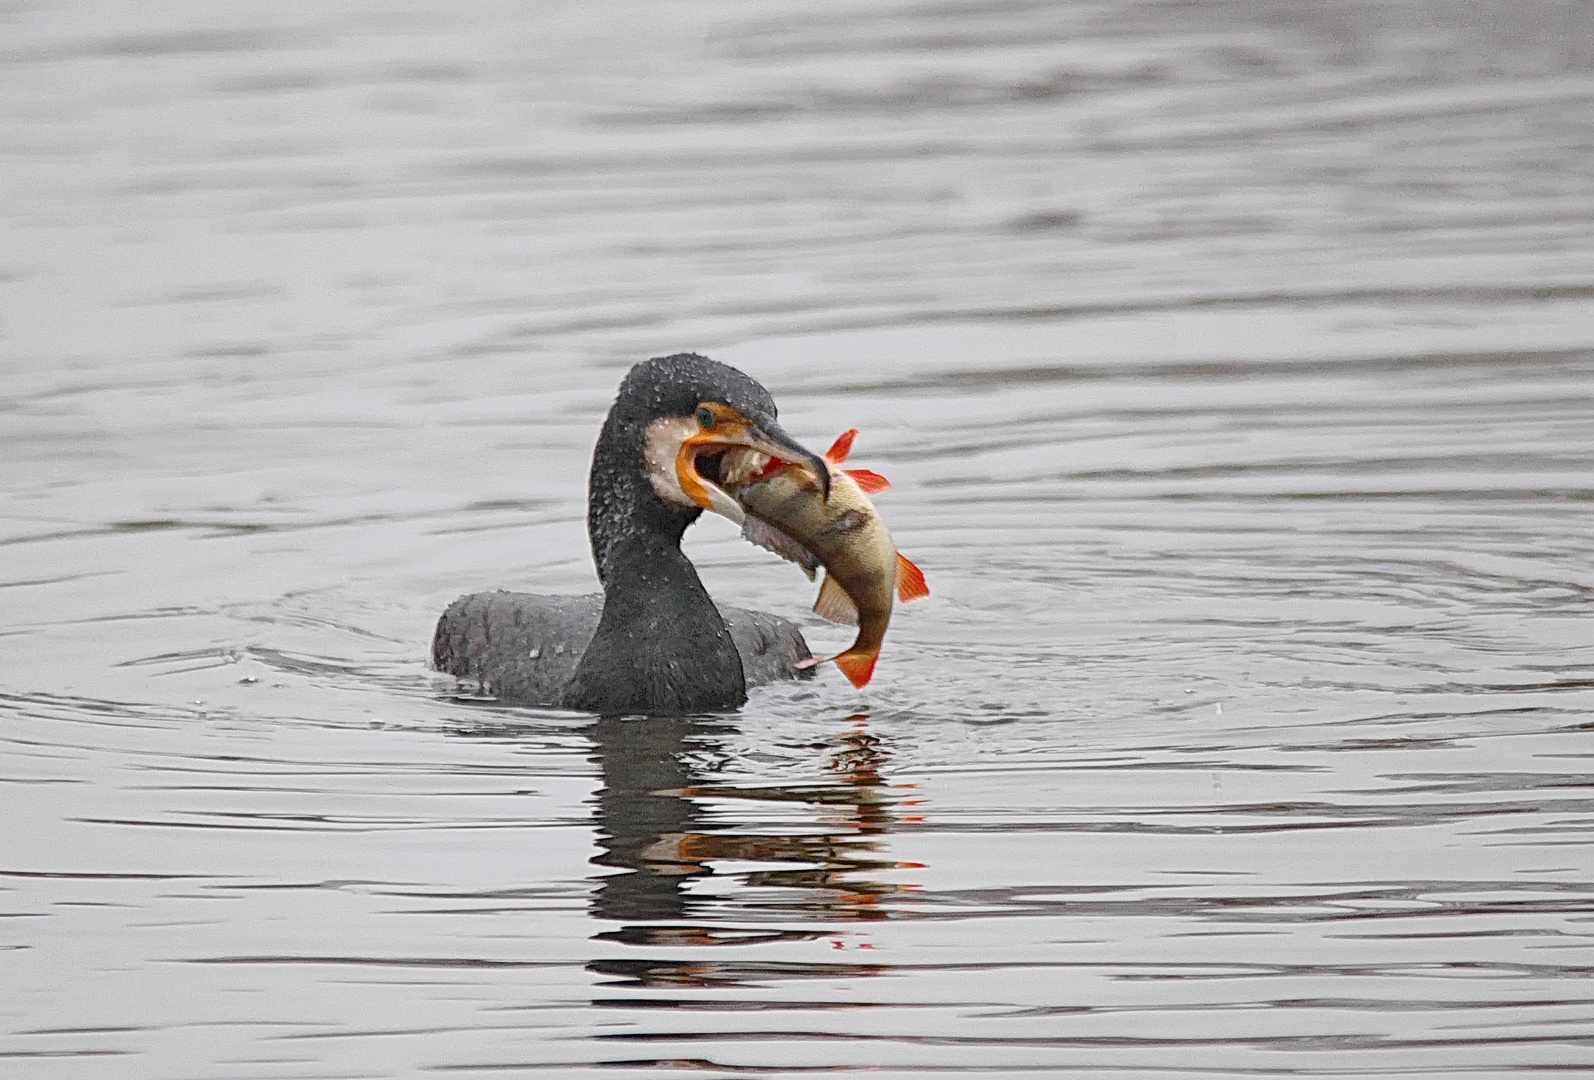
(1233, 363)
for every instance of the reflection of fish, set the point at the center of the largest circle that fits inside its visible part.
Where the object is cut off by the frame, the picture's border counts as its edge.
(789, 514)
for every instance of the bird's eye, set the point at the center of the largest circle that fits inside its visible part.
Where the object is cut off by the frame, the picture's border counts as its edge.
(705, 417)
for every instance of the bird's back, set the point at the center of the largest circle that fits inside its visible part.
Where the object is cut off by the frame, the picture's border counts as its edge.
(524, 647)
(514, 646)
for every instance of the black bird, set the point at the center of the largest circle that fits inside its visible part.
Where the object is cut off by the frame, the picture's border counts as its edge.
(653, 642)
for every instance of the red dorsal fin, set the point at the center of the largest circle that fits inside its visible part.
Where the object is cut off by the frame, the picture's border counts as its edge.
(910, 580)
(841, 447)
(870, 483)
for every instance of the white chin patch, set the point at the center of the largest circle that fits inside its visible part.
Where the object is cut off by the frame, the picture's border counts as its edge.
(660, 448)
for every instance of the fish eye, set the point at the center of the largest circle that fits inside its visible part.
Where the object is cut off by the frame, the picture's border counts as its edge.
(705, 417)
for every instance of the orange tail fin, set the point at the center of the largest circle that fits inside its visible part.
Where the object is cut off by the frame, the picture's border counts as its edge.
(869, 482)
(910, 580)
(858, 667)
(841, 447)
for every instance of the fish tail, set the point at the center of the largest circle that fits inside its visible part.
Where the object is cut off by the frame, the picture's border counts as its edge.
(856, 663)
(858, 666)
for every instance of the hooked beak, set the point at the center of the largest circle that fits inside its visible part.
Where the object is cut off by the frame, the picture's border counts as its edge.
(737, 432)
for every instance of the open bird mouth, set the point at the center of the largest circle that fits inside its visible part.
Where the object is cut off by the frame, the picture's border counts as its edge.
(733, 453)
(739, 467)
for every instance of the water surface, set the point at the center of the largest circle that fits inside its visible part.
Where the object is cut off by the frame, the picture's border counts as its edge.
(1234, 365)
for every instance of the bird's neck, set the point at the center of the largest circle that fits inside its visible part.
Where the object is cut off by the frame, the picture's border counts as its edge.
(661, 645)
(622, 506)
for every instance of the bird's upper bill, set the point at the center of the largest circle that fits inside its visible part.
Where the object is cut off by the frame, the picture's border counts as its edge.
(729, 448)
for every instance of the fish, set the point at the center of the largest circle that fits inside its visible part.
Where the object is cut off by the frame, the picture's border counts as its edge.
(788, 513)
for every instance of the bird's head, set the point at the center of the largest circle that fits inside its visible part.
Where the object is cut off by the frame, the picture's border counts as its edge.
(697, 413)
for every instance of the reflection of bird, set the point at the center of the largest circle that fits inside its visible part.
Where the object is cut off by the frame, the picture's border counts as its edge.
(653, 642)
(666, 819)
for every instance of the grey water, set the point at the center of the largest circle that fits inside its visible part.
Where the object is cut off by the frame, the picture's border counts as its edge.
(1233, 363)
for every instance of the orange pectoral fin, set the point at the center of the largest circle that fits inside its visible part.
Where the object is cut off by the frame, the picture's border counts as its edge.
(858, 667)
(869, 482)
(910, 581)
(841, 447)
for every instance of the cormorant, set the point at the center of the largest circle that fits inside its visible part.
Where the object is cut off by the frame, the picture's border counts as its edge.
(653, 642)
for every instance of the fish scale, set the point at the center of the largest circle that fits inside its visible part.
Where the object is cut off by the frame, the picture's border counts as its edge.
(789, 514)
